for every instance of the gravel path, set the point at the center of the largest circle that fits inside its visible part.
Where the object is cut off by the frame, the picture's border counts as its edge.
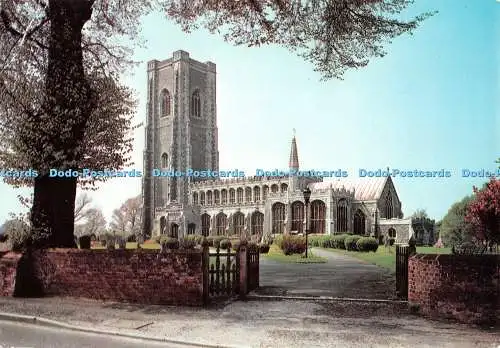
(341, 276)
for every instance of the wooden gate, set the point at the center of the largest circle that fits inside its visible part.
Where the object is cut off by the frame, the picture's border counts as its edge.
(253, 269)
(403, 253)
(223, 273)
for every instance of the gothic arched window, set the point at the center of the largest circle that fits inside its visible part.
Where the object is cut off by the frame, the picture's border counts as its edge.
(388, 206)
(257, 223)
(317, 215)
(165, 102)
(278, 217)
(342, 215)
(298, 216)
(359, 223)
(164, 160)
(196, 104)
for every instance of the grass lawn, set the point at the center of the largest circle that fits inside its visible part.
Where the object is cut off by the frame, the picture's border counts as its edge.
(386, 257)
(276, 254)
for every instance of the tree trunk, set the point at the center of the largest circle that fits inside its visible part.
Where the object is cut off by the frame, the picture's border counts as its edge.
(69, 104)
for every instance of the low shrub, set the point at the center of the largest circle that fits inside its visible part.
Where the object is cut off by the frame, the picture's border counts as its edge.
(293, 245)
(217, 240)
(264, 248)
(210, 241)
(3, 238)
(103, 242)
(237, 244)
(132, 238)
(350, 242)
(169, 243)
(84, 242)
(187, 243)
(366, 244)
(198, 238)
(278, 240)
(338, 241)
(321, 241)
(225, 244)
(267, 239)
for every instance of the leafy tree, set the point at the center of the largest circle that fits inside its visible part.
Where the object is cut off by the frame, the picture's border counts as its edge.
(454, 230)
(483, 212)
(63, 106)
(420, 214)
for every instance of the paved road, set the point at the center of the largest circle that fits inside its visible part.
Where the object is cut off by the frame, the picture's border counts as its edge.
(32, 336)
(341, 276)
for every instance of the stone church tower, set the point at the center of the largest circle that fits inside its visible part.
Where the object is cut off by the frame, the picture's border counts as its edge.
(181, 130)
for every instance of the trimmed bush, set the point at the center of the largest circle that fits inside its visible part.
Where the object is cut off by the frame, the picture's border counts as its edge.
(264, 248)
(210, 241)
(267, 239)
(338, 241)
(278, 240)
(217, 240)
(350, 242)
(169, 243)
(237, 244)
(204, 242)
(293, 245)
(225, 244)
(84, 242)
(321, 241)
(132, 238)
(187, 243)
(366, 244)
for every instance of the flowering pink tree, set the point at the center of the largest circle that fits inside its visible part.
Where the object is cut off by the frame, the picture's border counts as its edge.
(483, 213)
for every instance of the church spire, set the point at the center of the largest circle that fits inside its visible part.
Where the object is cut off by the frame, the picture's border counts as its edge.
(294, 156)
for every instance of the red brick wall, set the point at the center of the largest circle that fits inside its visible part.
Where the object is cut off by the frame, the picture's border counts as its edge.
(8, 267)
(463, 287)
(142, 276)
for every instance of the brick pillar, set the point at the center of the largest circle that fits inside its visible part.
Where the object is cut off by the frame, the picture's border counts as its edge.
(205, 266)
(243, 272)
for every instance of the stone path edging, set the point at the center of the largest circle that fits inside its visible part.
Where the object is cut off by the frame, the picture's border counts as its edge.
(322, 298)
(57, 324)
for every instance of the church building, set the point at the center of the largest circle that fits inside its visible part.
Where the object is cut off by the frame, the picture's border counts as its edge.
(181, 134)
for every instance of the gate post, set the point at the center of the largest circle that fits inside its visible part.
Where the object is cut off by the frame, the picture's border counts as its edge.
(243, 272)
(205, 264)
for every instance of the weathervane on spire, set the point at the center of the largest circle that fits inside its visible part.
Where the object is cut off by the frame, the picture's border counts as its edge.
(294, 132)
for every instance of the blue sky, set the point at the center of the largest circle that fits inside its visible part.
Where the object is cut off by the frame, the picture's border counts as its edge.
(429, 104)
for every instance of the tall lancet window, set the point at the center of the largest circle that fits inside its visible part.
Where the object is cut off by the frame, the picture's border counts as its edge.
(388, 207)
(164, 160)
(165, 103)
(196, 104)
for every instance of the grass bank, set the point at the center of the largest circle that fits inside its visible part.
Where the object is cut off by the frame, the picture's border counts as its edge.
(386, 256)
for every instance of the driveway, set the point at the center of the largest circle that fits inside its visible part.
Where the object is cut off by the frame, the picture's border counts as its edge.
(341, 276)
